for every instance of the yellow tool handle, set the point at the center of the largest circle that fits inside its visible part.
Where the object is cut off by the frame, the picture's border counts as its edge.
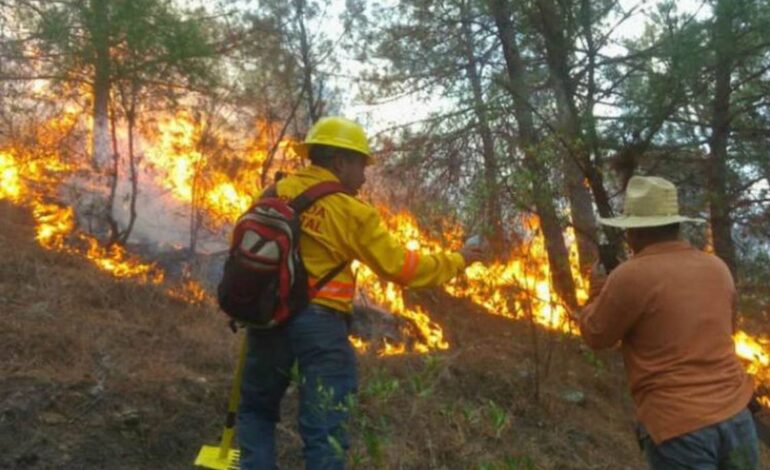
(232, 404)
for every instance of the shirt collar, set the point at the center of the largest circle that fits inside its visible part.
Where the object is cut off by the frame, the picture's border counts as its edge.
(318, 173)
(664, 247)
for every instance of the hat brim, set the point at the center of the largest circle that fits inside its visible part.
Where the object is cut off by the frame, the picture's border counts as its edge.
(303, 150)
(633, 221)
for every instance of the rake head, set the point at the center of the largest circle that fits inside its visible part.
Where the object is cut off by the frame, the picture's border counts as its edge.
(210, 457)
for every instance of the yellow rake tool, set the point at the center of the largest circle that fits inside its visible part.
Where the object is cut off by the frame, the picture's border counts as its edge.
(223, 456)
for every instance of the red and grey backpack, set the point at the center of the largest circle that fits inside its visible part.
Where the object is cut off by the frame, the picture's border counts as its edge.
(264, 281)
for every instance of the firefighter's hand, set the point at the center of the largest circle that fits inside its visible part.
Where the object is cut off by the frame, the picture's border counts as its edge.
(597, 279)
(473, 253)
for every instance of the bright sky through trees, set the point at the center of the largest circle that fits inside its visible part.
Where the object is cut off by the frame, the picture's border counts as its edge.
(399, 111)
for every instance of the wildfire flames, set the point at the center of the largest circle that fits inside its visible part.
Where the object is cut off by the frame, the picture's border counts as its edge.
(179, 154)
(33, 182)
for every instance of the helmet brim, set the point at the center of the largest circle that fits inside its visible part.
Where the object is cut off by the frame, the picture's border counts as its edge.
(303, 150)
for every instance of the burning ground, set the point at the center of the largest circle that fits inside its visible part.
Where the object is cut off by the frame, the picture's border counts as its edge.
(100, 372)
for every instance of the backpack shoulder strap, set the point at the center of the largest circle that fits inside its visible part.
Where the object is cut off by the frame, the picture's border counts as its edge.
(271, 191)
(314, 193)
(328, 277)
(304, 201)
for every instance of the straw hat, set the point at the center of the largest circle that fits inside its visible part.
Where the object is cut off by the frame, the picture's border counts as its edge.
(650, 202)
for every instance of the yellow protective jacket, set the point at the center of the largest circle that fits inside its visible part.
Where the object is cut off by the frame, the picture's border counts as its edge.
(341, 228)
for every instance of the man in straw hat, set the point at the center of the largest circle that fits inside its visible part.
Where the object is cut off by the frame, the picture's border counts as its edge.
(672, 308)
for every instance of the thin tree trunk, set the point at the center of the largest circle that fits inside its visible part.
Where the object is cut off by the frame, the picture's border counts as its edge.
(199, 182)
(558, 257)
(492, 210)
(575, 154)
(114, 177)
(131, 118)
(100, 146)
(307, 65)
(719, 200)
(271, 154)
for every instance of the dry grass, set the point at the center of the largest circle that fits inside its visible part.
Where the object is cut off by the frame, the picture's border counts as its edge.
(64, 320)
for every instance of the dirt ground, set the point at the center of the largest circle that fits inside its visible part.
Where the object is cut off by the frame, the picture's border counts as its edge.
(103, 374)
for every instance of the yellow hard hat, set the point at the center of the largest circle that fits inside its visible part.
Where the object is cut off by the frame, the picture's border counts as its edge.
(339, 132)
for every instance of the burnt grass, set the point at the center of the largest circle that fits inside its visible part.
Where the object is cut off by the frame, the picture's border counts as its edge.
(106, 374)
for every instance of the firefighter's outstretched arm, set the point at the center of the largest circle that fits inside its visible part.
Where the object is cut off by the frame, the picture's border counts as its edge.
(372, 244)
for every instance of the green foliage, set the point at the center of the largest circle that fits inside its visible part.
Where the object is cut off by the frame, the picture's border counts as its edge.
(423, 382)
(643, 105)
(380, 386)
(471, 413)
(373, 427)
(294, 373)
(498, 417)
(336, 447)
(151, 43)
(509, 463)
(374, 446)
(55, 28)
(590, 357)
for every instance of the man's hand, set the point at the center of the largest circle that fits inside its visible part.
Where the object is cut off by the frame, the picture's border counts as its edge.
(597, 279)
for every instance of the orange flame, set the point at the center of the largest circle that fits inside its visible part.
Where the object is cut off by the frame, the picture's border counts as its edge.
(195, 164)
(190, 291)
(754, 351)
(10, 185)
(32, 182)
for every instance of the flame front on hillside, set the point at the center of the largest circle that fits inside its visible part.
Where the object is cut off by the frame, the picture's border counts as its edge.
(55, 229)
(519, 287)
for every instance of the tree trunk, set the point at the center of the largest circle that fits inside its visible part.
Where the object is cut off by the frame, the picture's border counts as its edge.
(558, 258)
(493, 224)
(307, 65)
(100, 143)
(575, 155)
(114, 177)
(129, 103)
(719, 200)
(267, 163)
(131, 118)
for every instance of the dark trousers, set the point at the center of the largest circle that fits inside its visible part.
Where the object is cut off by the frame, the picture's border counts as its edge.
(727, 445)
(317, 339)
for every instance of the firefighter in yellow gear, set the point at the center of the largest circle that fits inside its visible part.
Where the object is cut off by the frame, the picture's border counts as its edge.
(338, 228)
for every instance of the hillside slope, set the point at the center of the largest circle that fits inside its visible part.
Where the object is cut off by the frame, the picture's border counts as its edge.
(105, 374)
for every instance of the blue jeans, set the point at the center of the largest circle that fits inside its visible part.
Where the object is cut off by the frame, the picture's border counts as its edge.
(317, 339)
(727, 445)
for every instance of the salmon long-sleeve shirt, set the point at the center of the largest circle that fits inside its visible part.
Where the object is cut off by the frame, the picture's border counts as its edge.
(671, 306)
(341, 227)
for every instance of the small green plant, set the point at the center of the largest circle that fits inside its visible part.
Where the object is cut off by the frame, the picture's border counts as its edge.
(337, 447)
(510, 462)
(373, 442)
(499, 417)
(380, 386)
(425, 380)
(471, 413)
(294, 373)
(420, 385)
(373, 429)
(593, 359)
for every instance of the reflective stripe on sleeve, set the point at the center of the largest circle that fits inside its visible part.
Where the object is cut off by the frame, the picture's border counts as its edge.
(411, 260)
